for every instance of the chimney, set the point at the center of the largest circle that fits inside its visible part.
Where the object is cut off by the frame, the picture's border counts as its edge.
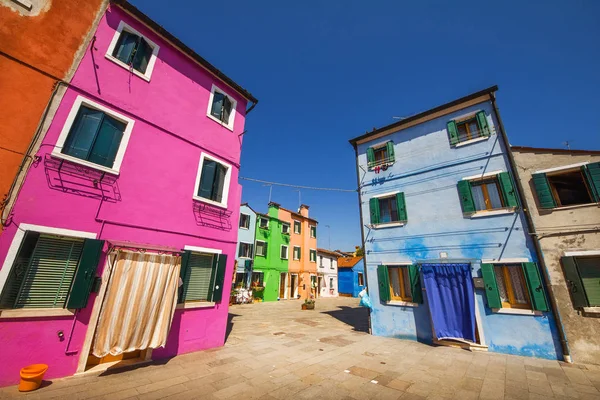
(303, 210)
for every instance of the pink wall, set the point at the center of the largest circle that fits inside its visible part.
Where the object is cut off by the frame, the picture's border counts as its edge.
(156, 182)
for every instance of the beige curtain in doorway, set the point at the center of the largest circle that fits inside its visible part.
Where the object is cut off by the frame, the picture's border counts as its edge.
(139, 303)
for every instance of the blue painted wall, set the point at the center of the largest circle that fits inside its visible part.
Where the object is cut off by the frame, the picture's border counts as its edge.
(348, 279)
(427, 170)
(246, 235)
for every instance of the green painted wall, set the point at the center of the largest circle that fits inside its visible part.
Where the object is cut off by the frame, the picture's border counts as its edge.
(272, 266)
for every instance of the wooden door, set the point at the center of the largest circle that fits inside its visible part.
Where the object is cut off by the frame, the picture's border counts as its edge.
(282, 285)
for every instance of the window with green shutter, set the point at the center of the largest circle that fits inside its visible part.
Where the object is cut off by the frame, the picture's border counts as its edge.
(313, 256)
(487, 193)
(469, 128)
(383, 283)
(381, 155)
(313, 231)
(42, 273)
(568, 187)
(582, 274)
(388, 209)
(199, 272)
(405, 283)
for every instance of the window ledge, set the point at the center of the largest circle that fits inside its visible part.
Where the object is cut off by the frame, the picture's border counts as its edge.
(195, 304)
(467, 142)
(223, 124)
(516, 311)
(125, 66)
(211, 202)
(592, 310)
(571, 207)
(480, 214)
(36, 312)
(76, 160)
(389, 225)
(402, 303)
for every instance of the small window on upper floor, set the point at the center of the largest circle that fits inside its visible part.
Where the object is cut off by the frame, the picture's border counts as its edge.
(313, 231)
(212, 181)
(285, 229)
(244, 221)
(131, 50)
(469, 128)
(381, 156)
(263, 223)
(569, 186)
(297, 227)
(388, 209)
(493, 192)
(221, 107)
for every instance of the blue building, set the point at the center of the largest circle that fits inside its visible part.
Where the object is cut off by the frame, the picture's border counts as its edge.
(447, 251)
(351, 276)
(245, 246)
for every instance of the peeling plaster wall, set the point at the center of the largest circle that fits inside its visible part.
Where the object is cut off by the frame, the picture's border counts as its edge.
(427, 170)
(557, 230)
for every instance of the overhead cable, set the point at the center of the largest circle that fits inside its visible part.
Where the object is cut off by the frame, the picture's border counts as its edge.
(298, 186)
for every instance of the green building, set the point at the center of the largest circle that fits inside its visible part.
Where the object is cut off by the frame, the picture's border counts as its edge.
(272, 253)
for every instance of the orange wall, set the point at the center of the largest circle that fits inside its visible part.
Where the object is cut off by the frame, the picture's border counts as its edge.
(48, 41)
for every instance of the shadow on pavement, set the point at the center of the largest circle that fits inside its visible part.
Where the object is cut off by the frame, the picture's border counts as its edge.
(230, 318)
(356, 317)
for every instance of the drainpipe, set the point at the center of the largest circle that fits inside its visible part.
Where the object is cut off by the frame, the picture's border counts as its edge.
(362, 233)
(538, 247)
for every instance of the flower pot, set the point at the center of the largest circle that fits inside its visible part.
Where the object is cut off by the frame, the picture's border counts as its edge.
(31, 377)
(309, 306)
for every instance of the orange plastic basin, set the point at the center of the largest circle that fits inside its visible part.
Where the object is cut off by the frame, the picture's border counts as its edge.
(31, 377)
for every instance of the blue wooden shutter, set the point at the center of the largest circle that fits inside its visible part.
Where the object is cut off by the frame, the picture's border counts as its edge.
(482, 123)
(125, 46)
(508, 190)
(384, 283)
(142, 56)
(227, 105)
(374, 209)
(543, 191)
(415, 283)
(390, 152)
(217, 105)
(491, 286)
(592, 175)
(574, 283)
(370, 157)
(82, 134)
(86, 272)
(207, 179)
(219, 281)
(466, 196)
(452, 132)
(108, 139)
(534, 284)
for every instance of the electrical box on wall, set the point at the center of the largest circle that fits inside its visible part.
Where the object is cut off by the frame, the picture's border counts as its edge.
(478, 283)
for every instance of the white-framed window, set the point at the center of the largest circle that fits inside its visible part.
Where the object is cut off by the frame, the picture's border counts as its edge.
(313, 255)
(133, 51)
(297, 227)
(244, 221)
(284, 252)
(285, 228)
(212, 181)
(245, 250)
(297, 252)
(221, 107)
(313, 231)
(320, 261)
(261, 248)
(94, 136)
(40, 267)
(263, 223)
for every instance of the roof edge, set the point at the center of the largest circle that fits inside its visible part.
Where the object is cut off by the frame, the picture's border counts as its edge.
(550, 150)
(405, 121)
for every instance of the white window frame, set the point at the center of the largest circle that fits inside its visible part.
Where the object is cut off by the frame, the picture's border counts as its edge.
(310, 228)
(294, 252)
(562, 168)
(312, 251)
(263, 219)
(64, 133)
(9, 260)
(226, 183)
(251, 250)
(155, 48)
(288, 227)
(300, 229)
(256, 248)
(247, 215)
(229, 125)
(287, 252)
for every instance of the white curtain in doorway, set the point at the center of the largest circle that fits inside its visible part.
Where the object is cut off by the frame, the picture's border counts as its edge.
(139, 303)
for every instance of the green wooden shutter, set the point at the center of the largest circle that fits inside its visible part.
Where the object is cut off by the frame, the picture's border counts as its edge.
(384, 283)
(452, 132)
(86, 271)
(370, 156)
(592, 174)
(590, 278)
(185, 261)
(415, 284)
(508, 190)
(390, 152)
(219, 281)
(197, 284)
(543, 191)
(491, 286)
(401, 203)
(534, 284)
(483, 124)
(374, 207)
(574, 283)
(465, 196)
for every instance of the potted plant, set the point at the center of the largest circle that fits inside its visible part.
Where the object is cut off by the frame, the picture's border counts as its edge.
(309, 304)
(258, 293)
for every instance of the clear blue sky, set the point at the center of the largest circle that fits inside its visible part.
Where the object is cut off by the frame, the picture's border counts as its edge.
(327, 71)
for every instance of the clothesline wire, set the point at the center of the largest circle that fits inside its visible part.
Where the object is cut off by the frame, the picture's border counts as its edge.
(298, 186)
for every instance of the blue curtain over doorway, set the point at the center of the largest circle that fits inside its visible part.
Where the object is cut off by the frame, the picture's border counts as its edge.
(451, 300)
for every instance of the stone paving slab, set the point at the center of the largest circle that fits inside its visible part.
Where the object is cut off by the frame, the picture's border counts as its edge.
(276, 351)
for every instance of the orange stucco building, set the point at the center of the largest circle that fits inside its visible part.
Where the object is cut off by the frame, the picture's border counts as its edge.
(302, 267)
(41, 43)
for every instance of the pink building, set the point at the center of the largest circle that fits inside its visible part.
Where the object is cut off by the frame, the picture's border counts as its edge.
(121, 244)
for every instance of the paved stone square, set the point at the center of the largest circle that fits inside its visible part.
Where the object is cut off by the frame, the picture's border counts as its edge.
(276, 351)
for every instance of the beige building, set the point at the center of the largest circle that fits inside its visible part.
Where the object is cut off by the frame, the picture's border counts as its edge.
(562, 193)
